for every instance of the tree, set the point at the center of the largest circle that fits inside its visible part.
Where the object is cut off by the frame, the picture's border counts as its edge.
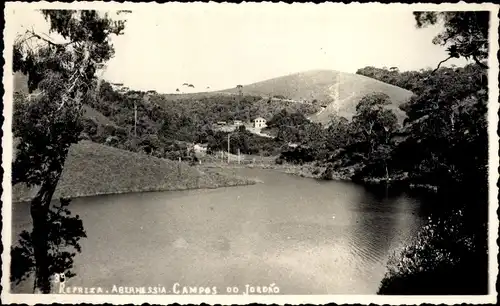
(373, 121)
(64, 75)
(338, 133)
(465, 33)
(372, 128)
(447, 112)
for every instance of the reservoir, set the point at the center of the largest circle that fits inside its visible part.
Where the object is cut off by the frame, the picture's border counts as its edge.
(303, 235)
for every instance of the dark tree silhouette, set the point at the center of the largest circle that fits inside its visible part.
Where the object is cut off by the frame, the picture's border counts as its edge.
(64, 74)
(63, 235)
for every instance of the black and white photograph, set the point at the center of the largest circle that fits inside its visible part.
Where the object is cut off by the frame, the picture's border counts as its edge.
(254, 152)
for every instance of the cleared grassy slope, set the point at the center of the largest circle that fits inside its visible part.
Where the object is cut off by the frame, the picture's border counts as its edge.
(93, 169)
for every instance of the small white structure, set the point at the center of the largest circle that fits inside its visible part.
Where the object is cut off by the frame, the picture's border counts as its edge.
(259, 123)
(200, 148)
(237, 122)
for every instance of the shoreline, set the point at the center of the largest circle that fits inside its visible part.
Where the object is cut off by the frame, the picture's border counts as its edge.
(93, 169)
(140, 190)
(18, 196)
(305, 171)
(317, 172)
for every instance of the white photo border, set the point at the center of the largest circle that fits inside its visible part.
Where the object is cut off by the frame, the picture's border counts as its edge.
(7, 297)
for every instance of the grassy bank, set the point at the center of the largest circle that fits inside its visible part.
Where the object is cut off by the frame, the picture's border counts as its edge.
(308, 170)
(94, 169)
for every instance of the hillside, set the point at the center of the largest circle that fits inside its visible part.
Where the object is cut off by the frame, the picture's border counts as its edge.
(338, 91)
(93, 169)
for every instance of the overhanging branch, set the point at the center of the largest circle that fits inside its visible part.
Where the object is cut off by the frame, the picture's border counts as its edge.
(50, 42)
(481, 64)
(440, 63)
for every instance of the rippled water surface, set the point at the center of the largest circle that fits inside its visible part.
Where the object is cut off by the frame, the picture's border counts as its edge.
(306, 236)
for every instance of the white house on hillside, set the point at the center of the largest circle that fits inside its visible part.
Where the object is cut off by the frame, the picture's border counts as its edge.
(259, 123)
(200, 148)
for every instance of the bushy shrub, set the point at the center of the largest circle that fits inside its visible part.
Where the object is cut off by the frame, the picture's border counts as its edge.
(328, 173)
(441, 260)
(299, 155)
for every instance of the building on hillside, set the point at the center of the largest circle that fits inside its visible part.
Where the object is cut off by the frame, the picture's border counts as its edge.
(222, 123)
(259, 123)
(200, 148)
(237, 122)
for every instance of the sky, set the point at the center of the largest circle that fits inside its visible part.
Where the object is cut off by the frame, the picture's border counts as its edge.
(216, 46)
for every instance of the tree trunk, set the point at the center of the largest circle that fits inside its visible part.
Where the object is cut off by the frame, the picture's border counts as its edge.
(40, 207)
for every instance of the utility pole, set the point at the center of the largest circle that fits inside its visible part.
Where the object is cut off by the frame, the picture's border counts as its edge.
(239, 159)
(228, 140)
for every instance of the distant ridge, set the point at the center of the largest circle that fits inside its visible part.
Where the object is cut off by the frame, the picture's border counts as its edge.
(338, 91)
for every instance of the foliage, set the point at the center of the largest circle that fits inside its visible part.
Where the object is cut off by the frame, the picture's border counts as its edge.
(286, 118)
(298, 155)
(465, 33)
(64, 234)
(294, 127)
(407, 79)
(446, 116)
(372, 128)
(339, 133)
(441, 260)
(446, 144)
(244, 141)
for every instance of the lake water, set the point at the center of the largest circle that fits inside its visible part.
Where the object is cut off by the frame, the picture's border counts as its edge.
(305, 236)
